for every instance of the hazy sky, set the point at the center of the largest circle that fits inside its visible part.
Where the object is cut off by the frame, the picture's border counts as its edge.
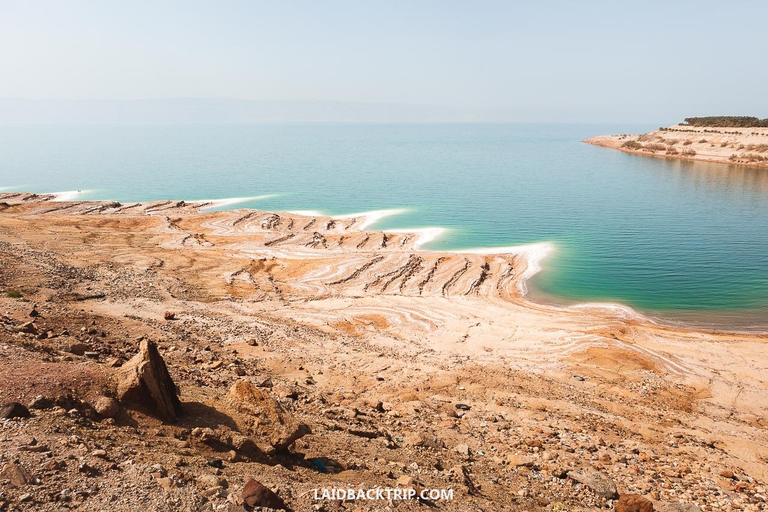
(532, 60)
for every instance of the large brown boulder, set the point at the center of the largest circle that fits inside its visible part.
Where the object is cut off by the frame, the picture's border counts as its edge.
(261, 416)
(633, 503)
(145, 380)
(257, 495)
(16, 474)
(14, 410)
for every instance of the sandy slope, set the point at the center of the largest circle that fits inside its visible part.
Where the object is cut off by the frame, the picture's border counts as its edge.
(744, 146)
(378, 342)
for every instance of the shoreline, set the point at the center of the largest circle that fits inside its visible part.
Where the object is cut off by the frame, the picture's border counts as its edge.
(747, 147)
(388, 353)
(532, 254)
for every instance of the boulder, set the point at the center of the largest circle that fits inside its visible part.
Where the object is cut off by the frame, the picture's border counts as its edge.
(145, 379)
(28, 328)
(41, 402)
(78, 349)
(599, 483)
(258, 414)
(13, 410)
(106, 407)
(257, 495)
(633, 503)
(16, 474)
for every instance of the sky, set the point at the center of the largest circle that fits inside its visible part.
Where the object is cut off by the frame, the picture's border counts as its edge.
(591, 61)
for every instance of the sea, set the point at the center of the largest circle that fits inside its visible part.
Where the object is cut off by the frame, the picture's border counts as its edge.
(683, 242)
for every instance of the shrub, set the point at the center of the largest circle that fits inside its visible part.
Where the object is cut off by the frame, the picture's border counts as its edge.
(726, 121)
(632, 144)
(752, 157)
(13, 294)
(689, 152)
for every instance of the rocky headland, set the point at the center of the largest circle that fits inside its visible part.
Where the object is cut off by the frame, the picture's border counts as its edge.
(729, 140)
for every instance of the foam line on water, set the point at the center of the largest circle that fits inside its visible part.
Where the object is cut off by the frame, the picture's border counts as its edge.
(306, 213)
(423, 235)
(228, 201)
(372, 216)
(69, 195)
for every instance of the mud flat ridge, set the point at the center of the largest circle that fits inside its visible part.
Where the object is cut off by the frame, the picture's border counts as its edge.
(158, 356)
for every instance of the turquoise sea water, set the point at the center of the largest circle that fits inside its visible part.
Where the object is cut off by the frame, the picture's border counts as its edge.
(680, 240)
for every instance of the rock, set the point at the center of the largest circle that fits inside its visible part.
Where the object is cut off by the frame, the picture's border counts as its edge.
(462, 407)
(726, 473)
(208, 481)
(102, 454)
(257, 495)
(106, 407)
(420, 439)
(54, 465)
(34, 312)
(579, 378)
(41, 402)
(16, 474)
(157, 469)
(521, 461)
(679, 507)
(169, 315)
(166, 483)
(87, 469)
(213, 491)
(600, 484)
(28, 328)
(78, 349)
(406, 481)
(257, 413)
(145, 379)
(633, 503)
(532, 443)
(463, 449)
(214, 462)
(264, 383)
(13, 410)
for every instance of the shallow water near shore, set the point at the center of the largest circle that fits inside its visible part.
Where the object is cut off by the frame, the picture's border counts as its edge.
(684, 241)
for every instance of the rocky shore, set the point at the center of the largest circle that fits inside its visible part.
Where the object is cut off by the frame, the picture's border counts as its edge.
(156, 357)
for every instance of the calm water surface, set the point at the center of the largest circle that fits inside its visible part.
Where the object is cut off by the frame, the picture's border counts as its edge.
(680, 240)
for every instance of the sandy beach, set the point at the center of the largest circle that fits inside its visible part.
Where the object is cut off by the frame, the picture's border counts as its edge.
(741, 146)
(410, 368)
